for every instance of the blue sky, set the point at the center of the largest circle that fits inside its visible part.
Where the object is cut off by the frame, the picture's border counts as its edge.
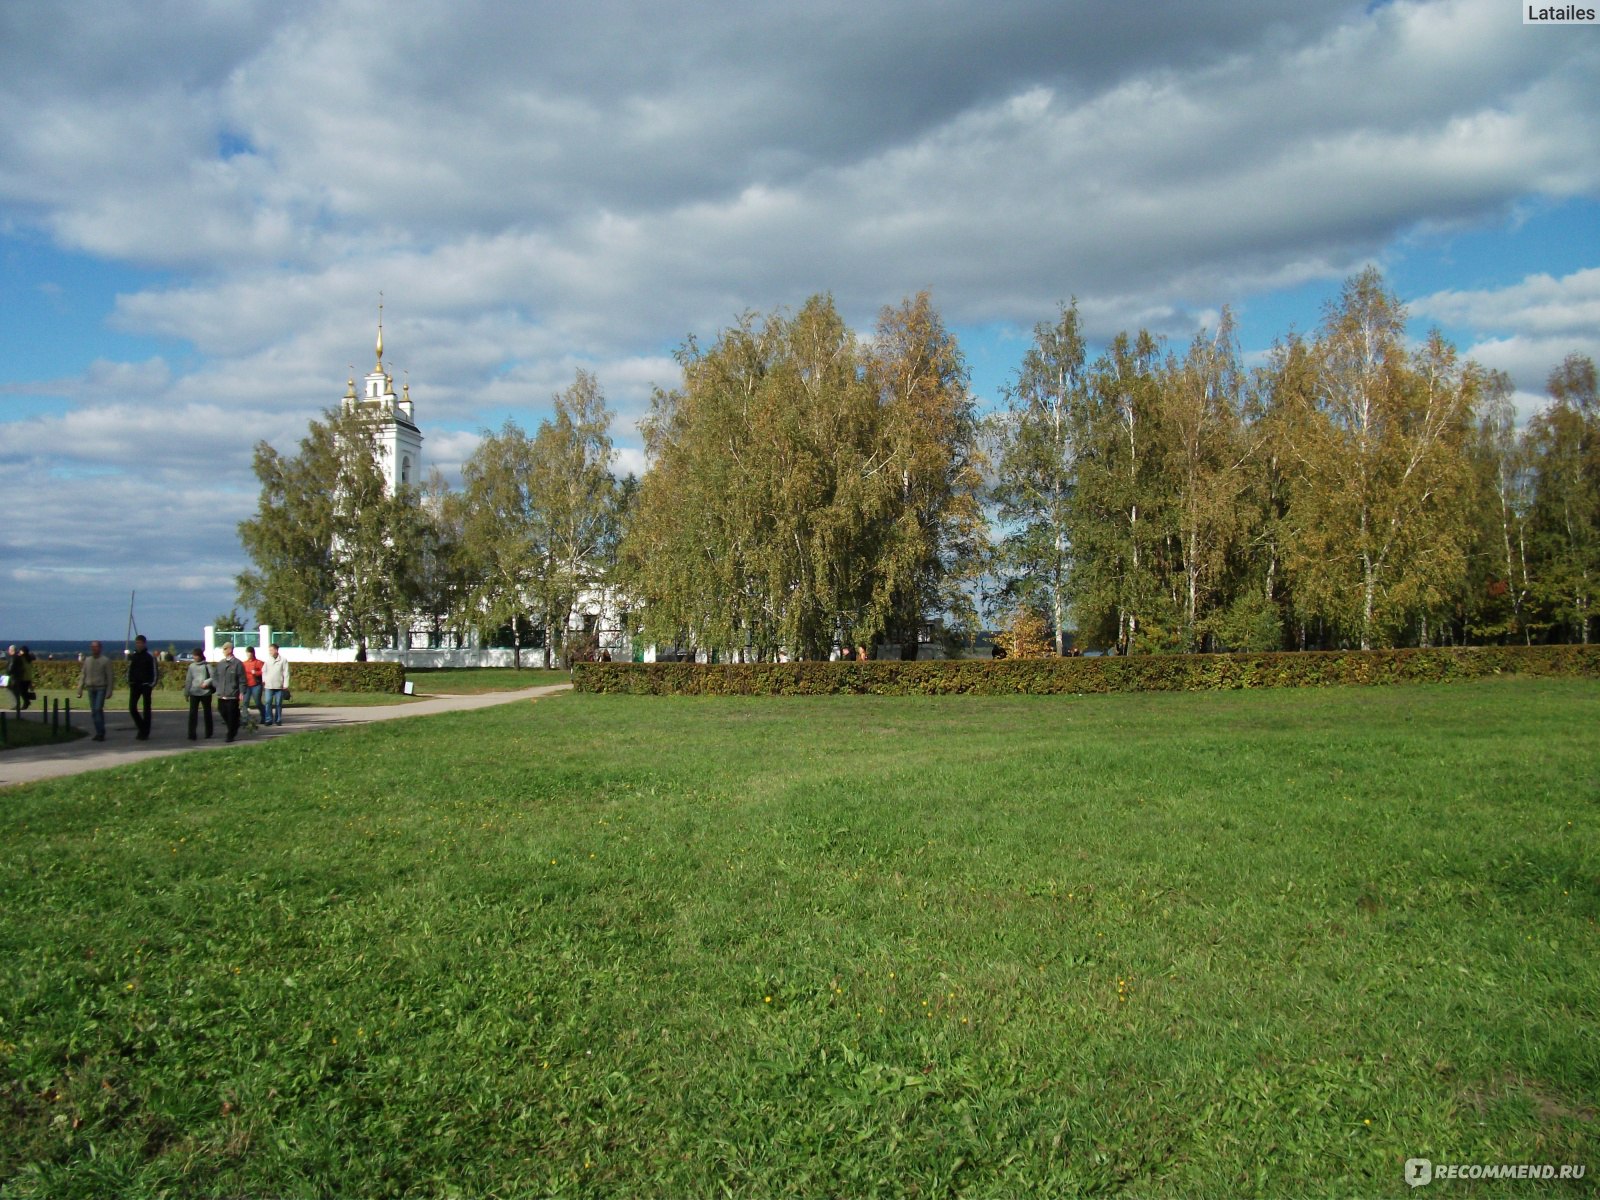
(200, 203)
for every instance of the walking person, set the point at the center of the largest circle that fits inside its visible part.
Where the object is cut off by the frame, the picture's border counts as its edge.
(275, 678)
(20, 678)
(252, 688)
(99, 680)
(228, 678)
(142, 676)
(198, 687)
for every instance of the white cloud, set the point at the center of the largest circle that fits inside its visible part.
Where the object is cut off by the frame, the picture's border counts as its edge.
(1526, 329)
(146, 438)
(88, 542)
(1541, 306)
(630, 461)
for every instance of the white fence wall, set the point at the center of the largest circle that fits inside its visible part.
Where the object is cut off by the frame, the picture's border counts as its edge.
(416, 660)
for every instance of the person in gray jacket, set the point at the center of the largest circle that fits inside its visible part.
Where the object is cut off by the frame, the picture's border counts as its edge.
(97, 678)
(275, 676)
(198, 687)
(227, 676)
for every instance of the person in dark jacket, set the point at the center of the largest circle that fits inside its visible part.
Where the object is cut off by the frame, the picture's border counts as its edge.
(227, 676)
(142, 676)
(20, 670)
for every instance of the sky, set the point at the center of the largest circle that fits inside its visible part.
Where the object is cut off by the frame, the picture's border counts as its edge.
(202, 200)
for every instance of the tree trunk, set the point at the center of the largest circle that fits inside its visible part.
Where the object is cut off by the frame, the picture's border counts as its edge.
(1368, 586)
(1061, 622)
(1194, 585)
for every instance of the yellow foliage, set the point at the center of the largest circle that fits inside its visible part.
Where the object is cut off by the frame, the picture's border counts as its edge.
(1027, 635)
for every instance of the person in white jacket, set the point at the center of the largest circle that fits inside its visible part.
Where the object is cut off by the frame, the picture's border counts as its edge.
(275, 678)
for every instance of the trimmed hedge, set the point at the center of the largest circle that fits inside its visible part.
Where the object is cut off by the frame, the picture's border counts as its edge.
(347, 677)
(1058, 676)
(62, 675)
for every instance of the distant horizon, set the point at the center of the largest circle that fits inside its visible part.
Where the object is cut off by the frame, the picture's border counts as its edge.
(53, 644)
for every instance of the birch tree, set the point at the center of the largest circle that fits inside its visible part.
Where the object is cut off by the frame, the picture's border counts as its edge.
(1037, 468)
(1380, 452)
(693, 552)
(805, 492)
(500, 534)
(571, 507)
(1499, 586)
(1205, 453)
(937, 548)
(1564, 445)
(441, 578)
(1261, 612)
(1116, 504)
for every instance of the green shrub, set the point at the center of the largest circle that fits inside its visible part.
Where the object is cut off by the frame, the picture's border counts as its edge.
(347, 677)
(62, 675)
(1055, 676)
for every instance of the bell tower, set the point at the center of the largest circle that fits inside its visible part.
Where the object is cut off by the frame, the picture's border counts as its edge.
(399, 439)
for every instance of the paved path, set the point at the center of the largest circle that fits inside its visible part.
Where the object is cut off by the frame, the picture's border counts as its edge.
(169, 732)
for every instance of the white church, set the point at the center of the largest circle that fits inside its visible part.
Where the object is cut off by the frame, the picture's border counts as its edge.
(427, 643)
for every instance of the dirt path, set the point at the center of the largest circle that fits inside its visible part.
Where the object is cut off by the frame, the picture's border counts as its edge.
(169, 733)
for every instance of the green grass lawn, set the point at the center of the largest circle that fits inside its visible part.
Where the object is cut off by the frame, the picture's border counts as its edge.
(472, 680)
(1269, 943)
(31, 731)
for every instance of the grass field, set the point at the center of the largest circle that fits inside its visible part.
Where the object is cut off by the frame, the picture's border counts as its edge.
(1268, 943)
(31, 731)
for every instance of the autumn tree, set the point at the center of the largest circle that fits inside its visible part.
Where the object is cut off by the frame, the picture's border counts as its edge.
(1497, 589)
(1204, 454)
(1379, 519)
(937, 543)
(440, 566)
(539, 517)
(805, 491)
(1117, 505)
(758, 524)
(1036, 468)
(572, 508)
(1260, 610)
(1563, 443)
(500, 534)
(1026, 634)
(693, 552)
